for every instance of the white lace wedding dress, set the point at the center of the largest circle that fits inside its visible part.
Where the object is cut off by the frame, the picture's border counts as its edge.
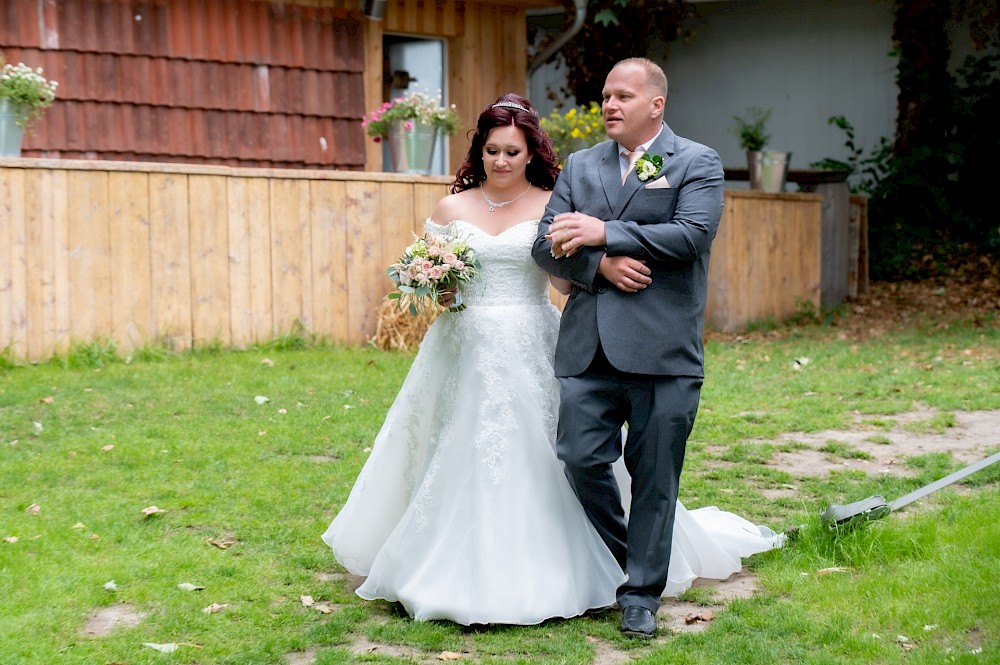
(462, 511)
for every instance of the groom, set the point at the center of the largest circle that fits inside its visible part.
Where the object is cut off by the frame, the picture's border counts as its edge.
(630, 341)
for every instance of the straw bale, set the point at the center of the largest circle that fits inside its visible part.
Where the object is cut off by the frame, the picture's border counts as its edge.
(399, 330)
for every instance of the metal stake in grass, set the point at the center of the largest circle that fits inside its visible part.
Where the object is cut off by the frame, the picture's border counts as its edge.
(875, 507)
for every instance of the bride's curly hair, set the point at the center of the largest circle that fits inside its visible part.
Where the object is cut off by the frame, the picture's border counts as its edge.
(509, 109)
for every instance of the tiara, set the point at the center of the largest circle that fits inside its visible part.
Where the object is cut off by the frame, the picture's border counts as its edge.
(511, 105)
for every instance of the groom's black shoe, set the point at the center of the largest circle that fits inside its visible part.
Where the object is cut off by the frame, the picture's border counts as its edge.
(638, 622)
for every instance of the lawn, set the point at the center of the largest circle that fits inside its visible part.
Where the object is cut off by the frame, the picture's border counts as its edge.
(125, 482)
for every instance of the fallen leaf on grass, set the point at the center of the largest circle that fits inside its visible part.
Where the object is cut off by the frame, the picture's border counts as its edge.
(323, 607)
(260, 399)
(215, 607)
(107, 448)
(835, 569)
(449, 655)
(110, 586)
(47, 400)
(222, 543)
(169, 647)
(704, 617)
(78, 526)
(94, 536)
(10, 539)
(163, 648)
(34, 509)
(267, 361)
(187, 586)
(152, 510)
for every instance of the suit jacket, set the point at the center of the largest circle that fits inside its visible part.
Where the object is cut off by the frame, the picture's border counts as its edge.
(669, 221)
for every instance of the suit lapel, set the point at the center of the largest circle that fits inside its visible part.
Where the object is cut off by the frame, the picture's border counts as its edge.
(662, 146)
(611, 174)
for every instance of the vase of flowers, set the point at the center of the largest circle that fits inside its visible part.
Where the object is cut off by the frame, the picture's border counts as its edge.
(24, 94)
(410, 125)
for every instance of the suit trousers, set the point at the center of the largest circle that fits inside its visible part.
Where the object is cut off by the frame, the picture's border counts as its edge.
(660, 412)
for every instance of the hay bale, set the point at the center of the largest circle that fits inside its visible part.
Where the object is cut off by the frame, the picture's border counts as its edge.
(399, 330)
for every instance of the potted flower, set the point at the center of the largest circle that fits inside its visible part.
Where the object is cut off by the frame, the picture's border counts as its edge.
(768, 169)
(24, 94)
(576, 129)
(411, 125)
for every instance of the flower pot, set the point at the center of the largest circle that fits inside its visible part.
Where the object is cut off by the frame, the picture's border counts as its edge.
(411, 146)
(11, 133)
(768, 170)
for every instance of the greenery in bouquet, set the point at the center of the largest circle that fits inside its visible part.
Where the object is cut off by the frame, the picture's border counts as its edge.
(27, 90)
(412, 108)
(577, 128)
(430, 266)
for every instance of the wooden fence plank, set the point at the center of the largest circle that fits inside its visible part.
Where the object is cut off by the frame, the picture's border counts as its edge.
(364, 250)
(170, 264)
(329, 249)
(13, 296)
(397, 225)
(89, 256)
(128, 204)
(291, 259)
(261, 284)
(46, 260)
(210, 307)
(240, 270)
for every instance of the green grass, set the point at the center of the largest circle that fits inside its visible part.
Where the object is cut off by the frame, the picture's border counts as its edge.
(92, 439)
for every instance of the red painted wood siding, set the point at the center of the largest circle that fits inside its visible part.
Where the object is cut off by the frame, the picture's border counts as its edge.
(230, 82)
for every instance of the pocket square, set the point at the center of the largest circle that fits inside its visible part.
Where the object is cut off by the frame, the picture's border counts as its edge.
(659, 183)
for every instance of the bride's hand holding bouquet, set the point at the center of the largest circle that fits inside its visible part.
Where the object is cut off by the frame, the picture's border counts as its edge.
(432, 271)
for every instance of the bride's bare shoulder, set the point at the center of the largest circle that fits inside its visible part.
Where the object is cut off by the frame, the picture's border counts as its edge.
(454, 206)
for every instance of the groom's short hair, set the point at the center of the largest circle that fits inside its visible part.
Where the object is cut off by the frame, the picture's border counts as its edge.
(655, 78)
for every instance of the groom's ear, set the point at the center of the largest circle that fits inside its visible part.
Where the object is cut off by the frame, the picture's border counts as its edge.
(659, 102)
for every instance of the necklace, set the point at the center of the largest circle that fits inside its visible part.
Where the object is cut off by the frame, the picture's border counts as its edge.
(499, 204)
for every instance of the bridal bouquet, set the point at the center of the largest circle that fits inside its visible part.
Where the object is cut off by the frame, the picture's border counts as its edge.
(430, 266)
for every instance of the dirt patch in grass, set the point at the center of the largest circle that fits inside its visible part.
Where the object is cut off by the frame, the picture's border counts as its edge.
(102, 621)
(883, 449)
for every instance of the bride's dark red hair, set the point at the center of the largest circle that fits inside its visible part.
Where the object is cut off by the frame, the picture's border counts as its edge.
(544, 166)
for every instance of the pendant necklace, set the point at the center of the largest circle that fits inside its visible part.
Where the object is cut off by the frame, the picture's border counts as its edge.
(499, 204)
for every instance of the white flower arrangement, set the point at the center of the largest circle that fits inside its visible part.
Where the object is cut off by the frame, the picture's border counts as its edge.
(27, 90)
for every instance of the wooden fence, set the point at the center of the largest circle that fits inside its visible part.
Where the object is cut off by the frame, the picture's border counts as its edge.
(186, 255)
(182, 256)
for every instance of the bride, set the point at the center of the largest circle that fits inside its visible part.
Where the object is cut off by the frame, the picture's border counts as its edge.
(462, 511)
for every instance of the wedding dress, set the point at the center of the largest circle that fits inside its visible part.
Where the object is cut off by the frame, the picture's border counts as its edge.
(462, 511)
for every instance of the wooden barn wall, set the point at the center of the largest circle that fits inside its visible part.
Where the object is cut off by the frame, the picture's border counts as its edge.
(227, 82)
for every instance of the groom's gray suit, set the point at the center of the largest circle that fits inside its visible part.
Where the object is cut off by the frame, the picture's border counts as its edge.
(634, 357)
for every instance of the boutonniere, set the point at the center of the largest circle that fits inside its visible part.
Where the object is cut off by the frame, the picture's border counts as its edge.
(648, 166)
